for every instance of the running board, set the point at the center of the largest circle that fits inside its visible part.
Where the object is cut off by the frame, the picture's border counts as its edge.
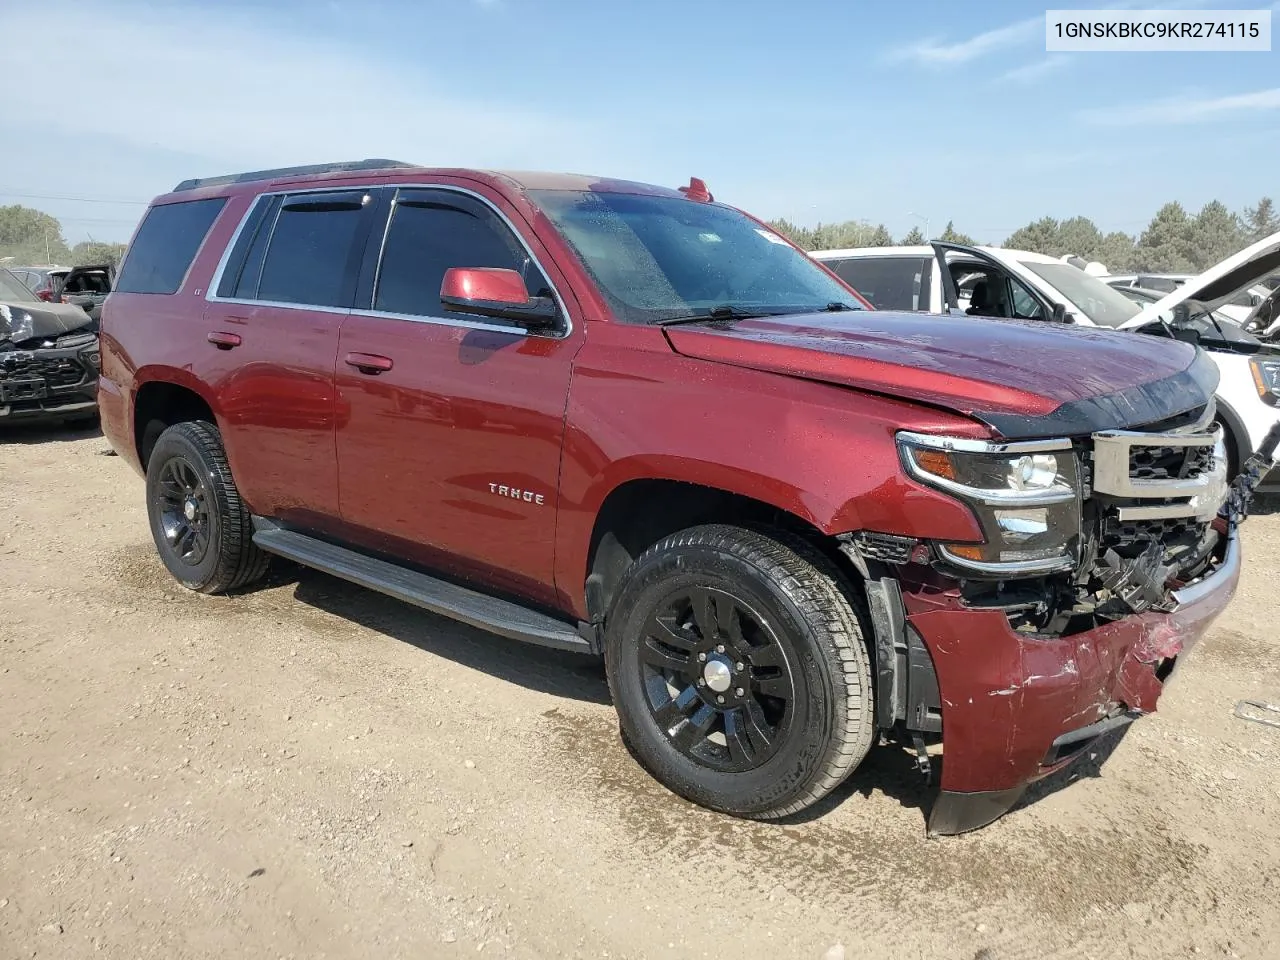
(488, 613)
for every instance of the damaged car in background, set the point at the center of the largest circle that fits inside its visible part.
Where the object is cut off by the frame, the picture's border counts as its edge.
(48, 357)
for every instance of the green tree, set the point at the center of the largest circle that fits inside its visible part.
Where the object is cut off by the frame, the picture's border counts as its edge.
(1079, 236)
(914, 238)
(880, 237)
(1116, 252)
(95, 252)
(1040, 236)
(951, 235)
(1216, 234)
(31, 236)
(1168, 243)
(1260, 221)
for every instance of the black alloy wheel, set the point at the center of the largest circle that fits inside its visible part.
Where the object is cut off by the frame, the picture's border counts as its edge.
(718, 682)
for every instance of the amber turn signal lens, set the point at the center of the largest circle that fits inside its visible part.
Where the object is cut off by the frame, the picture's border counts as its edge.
(1259, 382)
(936, 462)
(967, 551)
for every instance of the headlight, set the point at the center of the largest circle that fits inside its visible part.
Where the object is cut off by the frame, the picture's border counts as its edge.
(1266, 377)
(1026, 497)
(16, 324)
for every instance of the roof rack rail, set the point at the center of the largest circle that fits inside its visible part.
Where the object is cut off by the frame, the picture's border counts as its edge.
(345, 166)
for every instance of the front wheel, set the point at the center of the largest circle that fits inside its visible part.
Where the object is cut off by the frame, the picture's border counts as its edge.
(739, 670)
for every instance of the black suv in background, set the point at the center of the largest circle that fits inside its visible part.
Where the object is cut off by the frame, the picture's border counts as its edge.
(48, 357)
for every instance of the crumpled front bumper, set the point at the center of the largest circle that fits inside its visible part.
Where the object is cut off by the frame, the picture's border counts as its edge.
(1016, 707)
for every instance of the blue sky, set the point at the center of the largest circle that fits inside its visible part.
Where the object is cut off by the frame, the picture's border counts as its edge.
(809, 110)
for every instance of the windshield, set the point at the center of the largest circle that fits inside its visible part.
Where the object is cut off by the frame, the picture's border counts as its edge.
(13, 290)
(659, 258)
(1104, 305)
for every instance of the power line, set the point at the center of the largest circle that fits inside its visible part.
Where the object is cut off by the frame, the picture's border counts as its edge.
(47, 196)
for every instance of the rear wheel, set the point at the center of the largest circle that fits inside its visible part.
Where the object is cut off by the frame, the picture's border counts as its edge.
(201, 527)
(739, 671)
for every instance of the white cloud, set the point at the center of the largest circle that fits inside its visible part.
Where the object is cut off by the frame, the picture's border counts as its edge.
(936, 53)
(239, 91)
(1182, 110)
(1036, 69)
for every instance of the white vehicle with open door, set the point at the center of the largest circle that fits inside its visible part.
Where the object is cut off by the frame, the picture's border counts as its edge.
(995, 282)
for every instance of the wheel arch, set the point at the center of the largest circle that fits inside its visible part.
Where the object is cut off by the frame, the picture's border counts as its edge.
(1238, 434)
(166, 396)
(640, 511)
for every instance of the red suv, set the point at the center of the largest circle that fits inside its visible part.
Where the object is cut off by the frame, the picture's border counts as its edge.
(624, 420)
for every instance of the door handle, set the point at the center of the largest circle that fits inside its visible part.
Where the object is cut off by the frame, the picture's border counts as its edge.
(370, 363)
(224, 341)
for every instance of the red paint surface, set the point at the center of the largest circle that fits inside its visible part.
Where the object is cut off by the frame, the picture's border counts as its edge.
(493, 284)
(1006, 697)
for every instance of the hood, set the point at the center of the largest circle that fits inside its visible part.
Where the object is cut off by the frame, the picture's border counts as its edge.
(20, 322)
(1021, 378)
(1219, 283)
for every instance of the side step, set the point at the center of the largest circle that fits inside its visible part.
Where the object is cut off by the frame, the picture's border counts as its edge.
(439, 596)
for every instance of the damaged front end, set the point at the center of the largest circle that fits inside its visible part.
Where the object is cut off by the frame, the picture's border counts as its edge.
(1105, 558)
(49, 363)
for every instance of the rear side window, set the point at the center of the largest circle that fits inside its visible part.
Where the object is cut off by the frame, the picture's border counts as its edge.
(431, 231)
(890, 283)
(167, 242)
(311, 256)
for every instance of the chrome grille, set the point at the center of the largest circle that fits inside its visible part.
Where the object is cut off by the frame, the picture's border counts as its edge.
(1162, 475)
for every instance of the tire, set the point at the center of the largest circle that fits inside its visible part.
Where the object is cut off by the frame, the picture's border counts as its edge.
(804, 718)
(201, 527)
(1233, 449)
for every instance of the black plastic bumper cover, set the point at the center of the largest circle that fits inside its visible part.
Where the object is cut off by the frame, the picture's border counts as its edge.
(954, 813)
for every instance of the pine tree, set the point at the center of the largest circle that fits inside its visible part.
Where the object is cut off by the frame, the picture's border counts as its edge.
(914, 238)
(1261, 221)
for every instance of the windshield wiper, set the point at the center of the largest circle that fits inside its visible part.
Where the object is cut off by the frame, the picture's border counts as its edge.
(724, 311)
(835, 306)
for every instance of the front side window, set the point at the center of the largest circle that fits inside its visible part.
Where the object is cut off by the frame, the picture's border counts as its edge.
(310, 258)
(431, 231)
(659, 257)
(167, 242)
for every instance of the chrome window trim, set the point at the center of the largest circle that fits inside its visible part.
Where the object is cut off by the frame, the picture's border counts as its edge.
(211, 296)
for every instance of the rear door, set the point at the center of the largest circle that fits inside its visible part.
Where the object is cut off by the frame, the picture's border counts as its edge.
(273, 317)
(451, 426)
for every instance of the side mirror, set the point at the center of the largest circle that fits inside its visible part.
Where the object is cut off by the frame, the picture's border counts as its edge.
(1059, 314)
(495, 292)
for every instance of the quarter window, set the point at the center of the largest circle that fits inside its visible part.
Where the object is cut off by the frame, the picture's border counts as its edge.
(168, 240)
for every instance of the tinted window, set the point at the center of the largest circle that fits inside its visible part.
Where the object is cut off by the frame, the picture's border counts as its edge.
(1163, 284)
(433, 231)
(244, 266)
(311, 252)
(167, 242)
(890, 283)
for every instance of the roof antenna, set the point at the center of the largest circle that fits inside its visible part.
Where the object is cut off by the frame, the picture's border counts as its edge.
(697, 190)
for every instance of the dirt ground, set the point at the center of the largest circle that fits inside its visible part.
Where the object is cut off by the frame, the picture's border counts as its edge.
(310, 770)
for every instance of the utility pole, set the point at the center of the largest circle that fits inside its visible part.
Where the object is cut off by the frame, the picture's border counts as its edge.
(927, 235)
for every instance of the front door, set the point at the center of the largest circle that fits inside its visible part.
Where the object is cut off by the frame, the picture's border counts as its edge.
(451, 426)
